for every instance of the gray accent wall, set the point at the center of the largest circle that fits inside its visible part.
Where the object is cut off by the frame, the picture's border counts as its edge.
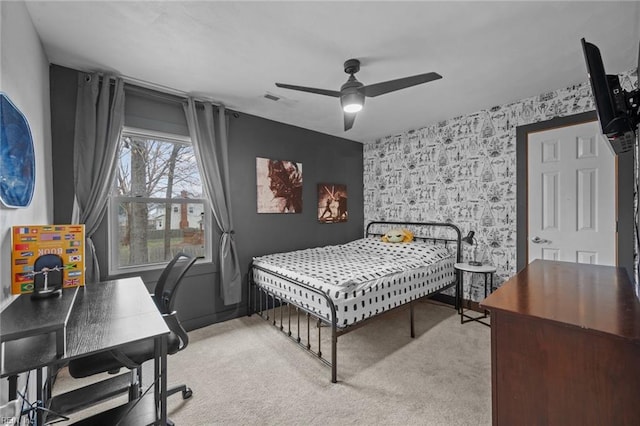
(63, 92)
(324, 158)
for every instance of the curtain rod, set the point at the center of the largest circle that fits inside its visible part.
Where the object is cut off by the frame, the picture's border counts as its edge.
(160, 91)
(153, 93)
(166, 90)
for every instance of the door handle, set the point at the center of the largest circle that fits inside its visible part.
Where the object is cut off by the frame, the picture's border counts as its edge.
(538, 240)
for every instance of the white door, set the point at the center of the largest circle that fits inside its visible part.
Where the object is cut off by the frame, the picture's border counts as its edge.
(571, 195)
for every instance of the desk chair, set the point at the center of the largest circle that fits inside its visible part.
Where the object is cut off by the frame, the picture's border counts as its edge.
(132, 356)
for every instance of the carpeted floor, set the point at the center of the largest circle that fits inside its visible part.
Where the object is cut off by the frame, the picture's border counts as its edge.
(245, 372)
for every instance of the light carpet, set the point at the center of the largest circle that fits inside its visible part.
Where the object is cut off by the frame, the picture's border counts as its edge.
(245, 372)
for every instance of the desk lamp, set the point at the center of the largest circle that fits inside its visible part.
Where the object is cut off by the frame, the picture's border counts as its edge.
(469, 239)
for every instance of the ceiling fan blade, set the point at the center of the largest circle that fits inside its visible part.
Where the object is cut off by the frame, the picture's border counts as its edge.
(325, 92)
(349, 118)
(377, 89)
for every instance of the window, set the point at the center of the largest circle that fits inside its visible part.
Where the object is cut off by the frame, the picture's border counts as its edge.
(156, 206)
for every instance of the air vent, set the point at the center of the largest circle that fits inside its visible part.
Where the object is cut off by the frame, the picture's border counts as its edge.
(271, 97)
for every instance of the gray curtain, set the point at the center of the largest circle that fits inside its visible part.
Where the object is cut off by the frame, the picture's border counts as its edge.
(99, 121)
(210, 146)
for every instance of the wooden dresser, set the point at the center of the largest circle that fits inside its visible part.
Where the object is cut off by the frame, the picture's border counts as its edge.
(565, 346)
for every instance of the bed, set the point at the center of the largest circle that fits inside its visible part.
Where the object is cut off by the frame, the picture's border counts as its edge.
(344, 286)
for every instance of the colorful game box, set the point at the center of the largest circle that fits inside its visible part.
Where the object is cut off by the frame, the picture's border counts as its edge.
(28, 243)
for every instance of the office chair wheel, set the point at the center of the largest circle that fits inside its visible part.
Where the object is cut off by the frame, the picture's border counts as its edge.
(187, 393)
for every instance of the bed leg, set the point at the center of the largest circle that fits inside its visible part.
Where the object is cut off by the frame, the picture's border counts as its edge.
(273, 310)
(334, 352)
(319, 326)
(413, 332)
(255, 301)
(248, 298)
(308, 332)
(298, 315)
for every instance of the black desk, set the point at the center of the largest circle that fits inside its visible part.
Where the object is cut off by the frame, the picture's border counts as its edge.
(102, 316)
(26, 317)
(32, 332)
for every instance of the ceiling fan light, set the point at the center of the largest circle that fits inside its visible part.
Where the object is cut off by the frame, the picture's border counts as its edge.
(355, 107)
(352, 102)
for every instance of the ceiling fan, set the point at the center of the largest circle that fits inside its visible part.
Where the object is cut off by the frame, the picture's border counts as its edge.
(352, 93)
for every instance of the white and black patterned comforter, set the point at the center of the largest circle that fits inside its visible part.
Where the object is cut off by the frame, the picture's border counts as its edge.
(363, 277)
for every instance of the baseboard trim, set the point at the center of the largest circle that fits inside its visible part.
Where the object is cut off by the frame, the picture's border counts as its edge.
(444, 298)
(472, 306)
(237, 311)
(451, 300)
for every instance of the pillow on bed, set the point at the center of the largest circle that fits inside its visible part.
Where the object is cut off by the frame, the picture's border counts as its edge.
(397, 235)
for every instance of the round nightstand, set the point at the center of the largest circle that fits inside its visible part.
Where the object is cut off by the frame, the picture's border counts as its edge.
(487, 271)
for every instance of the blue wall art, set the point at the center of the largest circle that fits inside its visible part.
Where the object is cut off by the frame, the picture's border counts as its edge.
(17, 158)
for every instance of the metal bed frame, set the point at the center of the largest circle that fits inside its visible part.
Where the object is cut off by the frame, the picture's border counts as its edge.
(259, 298)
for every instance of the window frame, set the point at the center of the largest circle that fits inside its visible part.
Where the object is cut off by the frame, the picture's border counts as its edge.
(115, 200)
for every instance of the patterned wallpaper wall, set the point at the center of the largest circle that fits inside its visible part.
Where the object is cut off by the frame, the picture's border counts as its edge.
(463, 171)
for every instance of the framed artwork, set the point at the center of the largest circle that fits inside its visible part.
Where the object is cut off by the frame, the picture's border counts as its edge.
(332, 203)
(279, 184)
(17, 158)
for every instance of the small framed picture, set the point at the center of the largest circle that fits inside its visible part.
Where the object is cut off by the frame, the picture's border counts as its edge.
(332, 203)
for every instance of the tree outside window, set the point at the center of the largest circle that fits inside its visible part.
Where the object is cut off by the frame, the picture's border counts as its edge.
(157, 203)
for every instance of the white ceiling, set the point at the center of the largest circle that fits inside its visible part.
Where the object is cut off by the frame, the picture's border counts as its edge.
(489, 53)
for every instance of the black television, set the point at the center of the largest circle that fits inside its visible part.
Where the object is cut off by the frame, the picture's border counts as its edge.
(618, 110)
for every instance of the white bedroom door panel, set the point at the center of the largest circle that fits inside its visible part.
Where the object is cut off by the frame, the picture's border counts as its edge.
(571, 195)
